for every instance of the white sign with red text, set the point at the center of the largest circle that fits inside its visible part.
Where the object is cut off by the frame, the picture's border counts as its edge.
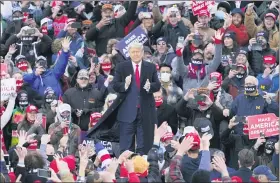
(8, 86)
(268, 124)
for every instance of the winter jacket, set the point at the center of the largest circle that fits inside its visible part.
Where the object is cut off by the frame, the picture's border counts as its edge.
(114, 30)
(40, 48)
(253, 29)
(87, 99)
(213, 113)
(30, 128)
(242, 37)
(256, 60)
(56, 133)
(50, 78)
(269, 84)
(249, 105)
(170, 33)
(235, 143)
(189, 83)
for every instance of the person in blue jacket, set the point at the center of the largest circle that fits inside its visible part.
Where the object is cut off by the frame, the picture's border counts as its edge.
(41, 78)
(251, 102)
(269, 79)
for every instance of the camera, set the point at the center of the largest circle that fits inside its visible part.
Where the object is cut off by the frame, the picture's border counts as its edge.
(29, 31)
(76, 25)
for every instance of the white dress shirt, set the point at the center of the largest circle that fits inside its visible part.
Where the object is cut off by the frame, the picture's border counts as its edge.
(139, 67)
(134, 69)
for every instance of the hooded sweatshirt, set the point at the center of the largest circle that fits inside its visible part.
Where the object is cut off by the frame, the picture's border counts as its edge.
(270, 83)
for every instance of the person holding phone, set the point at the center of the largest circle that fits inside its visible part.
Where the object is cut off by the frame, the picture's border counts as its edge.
(109, 27)
(63, 129)
(204, 108)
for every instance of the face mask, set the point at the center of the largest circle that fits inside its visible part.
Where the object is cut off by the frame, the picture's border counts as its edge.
(23, 103)
(27, 40)
(50, 158)
(106, 67)
(65, 117)
(22, 65)
(250, 89)
(158, 102)
(239, 76)
(269, 147)
(169, 149)
(17, 19)
(50, 98)
(220, 14)
(165, 77)
(197, 61)
(19, 84)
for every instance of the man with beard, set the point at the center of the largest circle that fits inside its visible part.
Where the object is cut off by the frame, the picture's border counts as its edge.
(109, 27)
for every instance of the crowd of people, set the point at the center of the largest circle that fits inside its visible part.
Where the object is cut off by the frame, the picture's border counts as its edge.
(175, 110)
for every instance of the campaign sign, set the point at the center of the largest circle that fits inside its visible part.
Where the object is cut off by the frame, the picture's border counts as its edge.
(197, 6)
(268, 124)
(137, 35)
(8, 86)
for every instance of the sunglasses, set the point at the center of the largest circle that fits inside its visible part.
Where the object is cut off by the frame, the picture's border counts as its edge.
(83, 79)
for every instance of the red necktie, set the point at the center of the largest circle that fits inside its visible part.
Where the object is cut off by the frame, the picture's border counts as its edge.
(137, 76)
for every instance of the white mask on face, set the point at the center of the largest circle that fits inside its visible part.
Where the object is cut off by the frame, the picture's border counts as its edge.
(165, 77)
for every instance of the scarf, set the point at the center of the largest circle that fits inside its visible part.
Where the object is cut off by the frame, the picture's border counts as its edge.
(194, 68)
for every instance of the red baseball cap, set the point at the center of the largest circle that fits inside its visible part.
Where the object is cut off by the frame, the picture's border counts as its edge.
(196, 140)
(31, 108)
(167, 136)
(269, 59)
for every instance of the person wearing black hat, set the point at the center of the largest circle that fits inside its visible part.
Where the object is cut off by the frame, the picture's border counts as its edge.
(235, 24)
(234, 82)
(267, 25)
(260, 47)
(14, 26)
(48, 108)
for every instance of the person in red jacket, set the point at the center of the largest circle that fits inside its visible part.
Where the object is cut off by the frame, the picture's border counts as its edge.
(235, 24)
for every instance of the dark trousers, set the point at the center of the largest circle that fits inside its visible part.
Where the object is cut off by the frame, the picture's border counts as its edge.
(128, 132)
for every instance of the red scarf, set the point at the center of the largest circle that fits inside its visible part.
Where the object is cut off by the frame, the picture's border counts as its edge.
(19, 84)
(193, 69)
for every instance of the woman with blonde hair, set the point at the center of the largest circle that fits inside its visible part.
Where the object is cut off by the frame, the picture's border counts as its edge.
(112, 147)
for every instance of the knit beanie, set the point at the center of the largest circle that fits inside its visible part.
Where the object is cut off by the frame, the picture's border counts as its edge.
(103, 155)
